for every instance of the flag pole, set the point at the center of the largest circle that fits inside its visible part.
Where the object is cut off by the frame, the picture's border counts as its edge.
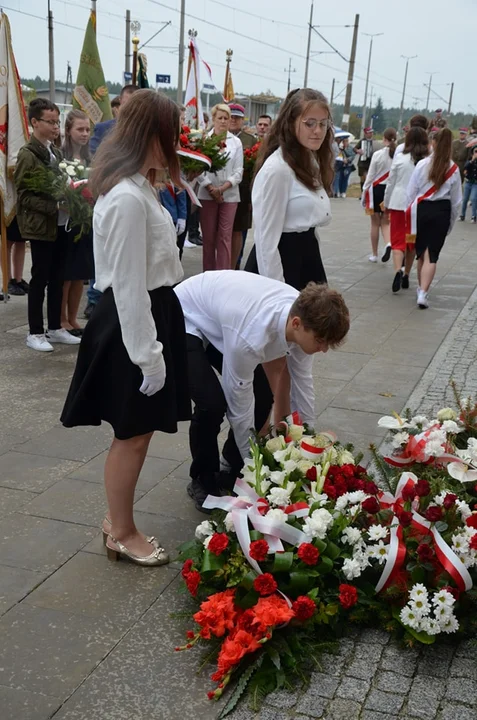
(135, 27)
(228, 55)
(4, 246)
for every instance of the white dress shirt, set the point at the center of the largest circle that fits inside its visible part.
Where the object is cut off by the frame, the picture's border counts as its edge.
(399, 149)
(380, 163)
(135, 251)
(395, 197)
(231, 173)
(282, 204)
(244, 316)
(450, 190)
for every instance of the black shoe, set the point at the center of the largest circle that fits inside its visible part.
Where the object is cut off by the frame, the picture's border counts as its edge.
(405, 282)
(386, 254)
(195, 239)
(24, 285)
(76, 332)
(397, 282)
(198, 491)
(88, 311)
(226, 480)
(2, 297)
(462, 218)
(15, 289)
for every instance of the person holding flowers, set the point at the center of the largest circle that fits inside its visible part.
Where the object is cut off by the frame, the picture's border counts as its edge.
(79, 251)
(219, 194)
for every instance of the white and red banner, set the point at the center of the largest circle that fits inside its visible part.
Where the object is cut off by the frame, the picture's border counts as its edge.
(194, 116)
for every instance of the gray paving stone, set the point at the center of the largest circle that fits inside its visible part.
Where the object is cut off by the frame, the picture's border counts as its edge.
(374, 636)
(171, 447)
(371, 653)
(12, 500)
(15, 583)
(353, 689)
(392, 682)
(456, 711)
(435, 664)
(34, 473)
(272, 714)
(311, 706)
(384, 702)
(424, 697)
(282, 699)
(81, 443)
(94, 586)
(40, 544)
(323, 685)
(468, 649)
(464, 667)
(345, 648)
(400, 660)
(361, 669)
(23, 705)
(331, 664)
(72, 501)
(462, 690)
(169, 497)
(49, 651)
(372, 715)
(343, 421)
(343, 710)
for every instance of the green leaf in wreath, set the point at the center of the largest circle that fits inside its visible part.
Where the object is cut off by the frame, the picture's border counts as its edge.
(283, 562)
(274, 657)
(211, 562)
(325, 565)
(299, 582)
(332, 551)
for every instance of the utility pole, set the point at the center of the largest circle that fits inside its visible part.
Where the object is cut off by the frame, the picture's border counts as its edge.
(307, 62)
(69, 79)
(332, 94)
(180, 78)
(127, 59)
(363, 119)
(371, 95)
(406, 58)
(450, 97)
(429, 90)
(349, 85)
(51, 53)
(290, 71)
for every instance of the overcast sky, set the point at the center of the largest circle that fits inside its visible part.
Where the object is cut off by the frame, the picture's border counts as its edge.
(263, 36)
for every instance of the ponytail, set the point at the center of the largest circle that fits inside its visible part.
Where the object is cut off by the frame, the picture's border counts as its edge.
(441, 157)
(391, 136)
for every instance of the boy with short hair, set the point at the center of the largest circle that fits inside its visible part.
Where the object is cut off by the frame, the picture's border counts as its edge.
(43, 224)
(236, 321)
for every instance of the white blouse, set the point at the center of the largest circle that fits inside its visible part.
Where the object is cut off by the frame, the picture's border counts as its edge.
(281, 204)
(450, 190)
(395, 197)
(380, 163)
(135, 251)
(232, 172)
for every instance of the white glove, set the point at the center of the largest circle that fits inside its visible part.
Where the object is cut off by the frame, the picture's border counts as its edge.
(181, 225)
(151, 384)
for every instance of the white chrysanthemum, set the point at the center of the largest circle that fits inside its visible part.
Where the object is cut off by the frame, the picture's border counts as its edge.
(378, 532)
(464, 509)
(379, 552)
(460, 543)
(351, 569)
(281, 496)
(351, 535)
(443, 597)
(278, 477)
(443, 613)
(399, 439)
(296, 432)
(450, 427)
(342, 502)
(419, 420)
(229, 523)
(277, 515)
(345, 458)
(204, 530)
(275, 444)
(357, 496)
(418, 591)
(316, 526)
(420, 607)
(450, 625)
(408, 617)
(430, 626)
(434, 448)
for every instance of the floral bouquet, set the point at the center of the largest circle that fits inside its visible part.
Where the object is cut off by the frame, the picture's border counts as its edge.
(250, 157)
(310, 544)
(200, 152)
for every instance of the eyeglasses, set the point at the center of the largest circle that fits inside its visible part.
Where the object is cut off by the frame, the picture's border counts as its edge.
(51, 122)
(312, 124)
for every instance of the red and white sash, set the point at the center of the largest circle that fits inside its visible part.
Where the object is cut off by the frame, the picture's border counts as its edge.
(369, 198)
(411, 212)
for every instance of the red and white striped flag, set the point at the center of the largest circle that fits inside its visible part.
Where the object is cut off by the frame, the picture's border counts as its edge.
(194, 116)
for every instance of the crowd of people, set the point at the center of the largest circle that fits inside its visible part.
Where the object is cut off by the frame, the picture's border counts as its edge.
(153, 345)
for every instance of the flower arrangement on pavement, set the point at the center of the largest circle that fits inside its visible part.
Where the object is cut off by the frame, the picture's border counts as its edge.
(310, 543)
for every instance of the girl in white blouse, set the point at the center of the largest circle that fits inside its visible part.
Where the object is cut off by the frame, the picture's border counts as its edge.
(435, 188)
(131, 369)
(219, 195)
(416, 147)
(373, 194)
(290, 195)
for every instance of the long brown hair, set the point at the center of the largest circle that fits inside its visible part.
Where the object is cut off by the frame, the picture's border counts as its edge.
(416, 144)
(391, 136)
(68, 150)
(149, 119)
(441, 157)
(282, 135)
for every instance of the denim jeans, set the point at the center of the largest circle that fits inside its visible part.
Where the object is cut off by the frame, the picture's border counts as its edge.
(340, 184)
(470, 192)
(93, 295)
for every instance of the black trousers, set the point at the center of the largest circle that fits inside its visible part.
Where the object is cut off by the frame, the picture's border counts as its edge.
(210, 408)
(47, 272)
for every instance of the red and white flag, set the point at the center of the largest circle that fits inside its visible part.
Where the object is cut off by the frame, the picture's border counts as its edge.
(194, 116)
(13, 121)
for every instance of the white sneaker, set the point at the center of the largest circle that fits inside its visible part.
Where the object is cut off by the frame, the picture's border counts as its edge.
(39, 342)
(422, 300)
(373, 258)
(62, 336)
(188, 244)
(343, 195)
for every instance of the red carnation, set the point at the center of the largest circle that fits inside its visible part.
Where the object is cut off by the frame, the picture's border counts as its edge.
(192, 581)
(405, 518)
(348, 596)
(422, 488)
(425, 552)
(473, 542)
(304, 608)
(259, 550)
(433, 513)
(186, 568)
(371, 505)
(472, 521)
(449, 501)
(218, 543)
(370, 487)
(409, 492)
(265, 584)
(308, 553)
(311, 474)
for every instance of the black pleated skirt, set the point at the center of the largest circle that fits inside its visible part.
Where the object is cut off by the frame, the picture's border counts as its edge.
(433, 220)
(105, 384)
(378, 198)
(301, 259)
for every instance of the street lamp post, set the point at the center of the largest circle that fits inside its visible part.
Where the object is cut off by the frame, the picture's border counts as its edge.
(406, 58)
(363, 119)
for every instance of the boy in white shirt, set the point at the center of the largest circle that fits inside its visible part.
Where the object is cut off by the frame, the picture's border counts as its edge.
(235, 322)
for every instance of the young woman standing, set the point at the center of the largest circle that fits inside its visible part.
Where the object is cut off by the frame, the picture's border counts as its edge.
(416, 147)
(434, 196)
(131, 369)
(79, 253)
(219, 195)
(373, 194)
(290, 195)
